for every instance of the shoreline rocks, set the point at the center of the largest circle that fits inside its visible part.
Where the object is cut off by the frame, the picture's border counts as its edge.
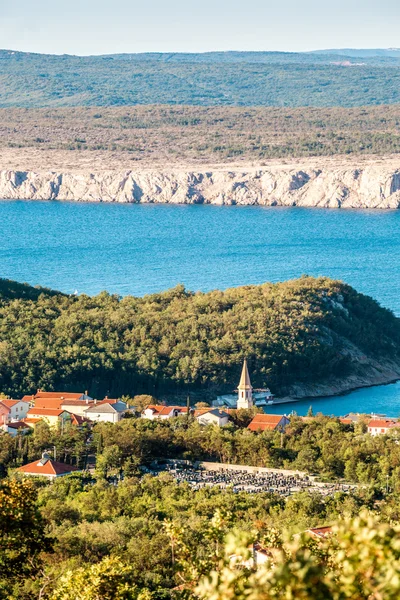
(368, 187)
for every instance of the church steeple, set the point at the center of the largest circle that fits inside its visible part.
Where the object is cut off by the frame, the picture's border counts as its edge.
(245, 390)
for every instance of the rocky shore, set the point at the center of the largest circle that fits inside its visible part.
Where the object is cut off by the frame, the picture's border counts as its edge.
(370, 374)
(329, 185)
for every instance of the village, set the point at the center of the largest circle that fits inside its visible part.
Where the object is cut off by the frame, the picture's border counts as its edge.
(61, 409)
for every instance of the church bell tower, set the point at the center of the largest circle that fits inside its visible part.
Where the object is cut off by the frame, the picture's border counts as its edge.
(245, 391)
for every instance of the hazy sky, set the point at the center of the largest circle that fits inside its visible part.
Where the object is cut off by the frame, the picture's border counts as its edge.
(108, 26)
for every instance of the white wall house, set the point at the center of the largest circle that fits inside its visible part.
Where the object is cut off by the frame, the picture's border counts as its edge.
(107, 413)
(212, 417)
(161, 412)
(381, 426)
(13, 410)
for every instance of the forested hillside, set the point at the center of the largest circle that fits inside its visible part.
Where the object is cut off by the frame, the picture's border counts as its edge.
(302, 331)
(237, 79)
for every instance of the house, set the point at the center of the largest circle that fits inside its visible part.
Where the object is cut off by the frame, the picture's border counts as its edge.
(46, 467)
(211, 417)
(13, 410)
(159, 411)
(76, 407)
(79, 421)
(16, 427)
(264, 422)
(346, 421)
(51, 416)
(320, 533)
(74, 403)
(108, 412)
(381, 426)
(259, 556)
(79, 407)
(41, 399)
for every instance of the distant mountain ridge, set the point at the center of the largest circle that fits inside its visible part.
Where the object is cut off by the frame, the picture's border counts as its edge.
(324, 78)
(362, 52)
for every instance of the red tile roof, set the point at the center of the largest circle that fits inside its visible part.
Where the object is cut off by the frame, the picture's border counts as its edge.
(45, 396)
(107, 401)
(202, 411)
(160, 409)
(50, 467)
(346, 421)
(79, 420)
(45, 412)
(381, 423)
(262, 422)
(320, 532)
(9, 403)
(50, 403)
(62, 395)
(18, 425)
(75, 402)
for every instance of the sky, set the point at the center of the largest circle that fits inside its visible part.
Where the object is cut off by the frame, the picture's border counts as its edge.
(114, 26)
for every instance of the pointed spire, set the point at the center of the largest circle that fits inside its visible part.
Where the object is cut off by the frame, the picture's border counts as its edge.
(245, 378)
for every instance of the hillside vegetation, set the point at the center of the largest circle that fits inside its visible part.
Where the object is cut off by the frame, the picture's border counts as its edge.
(306, 330)
(229, 79)
(151, 538)
(184, 134)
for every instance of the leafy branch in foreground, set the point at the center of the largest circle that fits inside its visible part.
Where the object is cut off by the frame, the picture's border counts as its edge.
(360, 561)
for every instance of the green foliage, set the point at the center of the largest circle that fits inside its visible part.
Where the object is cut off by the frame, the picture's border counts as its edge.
(167, 343)
(22, 534)
(110, 579)
(237, 78)
(359, 562)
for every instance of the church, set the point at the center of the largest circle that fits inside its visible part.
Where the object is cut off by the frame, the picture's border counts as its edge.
(246, 396)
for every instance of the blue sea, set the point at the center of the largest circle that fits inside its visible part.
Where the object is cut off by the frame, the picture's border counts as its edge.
(141, 249)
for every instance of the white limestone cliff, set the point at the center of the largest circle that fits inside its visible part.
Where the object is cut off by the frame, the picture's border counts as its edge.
(329, 186)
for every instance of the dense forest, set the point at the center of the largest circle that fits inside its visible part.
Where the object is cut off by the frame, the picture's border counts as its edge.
(128, 137)
(230, 79)
(301, 331)
(149, 538)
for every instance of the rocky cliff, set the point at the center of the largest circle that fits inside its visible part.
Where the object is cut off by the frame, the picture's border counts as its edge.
(328, 186)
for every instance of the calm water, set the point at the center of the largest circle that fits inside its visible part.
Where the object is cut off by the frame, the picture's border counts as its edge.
(139, 249)
(382, 399)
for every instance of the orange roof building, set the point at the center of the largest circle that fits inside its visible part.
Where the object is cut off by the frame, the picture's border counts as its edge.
(381, 426)
(159, 411)
(46, 467)
(264, 422)
(42, 398)
(52, 416)
(320, 532)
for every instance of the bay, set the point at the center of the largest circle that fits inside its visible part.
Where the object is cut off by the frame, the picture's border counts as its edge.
(141, 249)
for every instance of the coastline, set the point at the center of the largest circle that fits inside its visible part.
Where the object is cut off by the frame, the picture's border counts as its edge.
(368, 184)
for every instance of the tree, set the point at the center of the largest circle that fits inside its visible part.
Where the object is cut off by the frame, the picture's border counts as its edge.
(202, 405)
(141, 401)
(22, 533)
(110, 458)
(110, 579)
(361, 561)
